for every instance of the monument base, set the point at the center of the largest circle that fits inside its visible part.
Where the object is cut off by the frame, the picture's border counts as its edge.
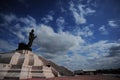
(23, 46)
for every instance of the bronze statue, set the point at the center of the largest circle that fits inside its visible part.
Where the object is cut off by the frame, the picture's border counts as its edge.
(31, 38)
(23, 46)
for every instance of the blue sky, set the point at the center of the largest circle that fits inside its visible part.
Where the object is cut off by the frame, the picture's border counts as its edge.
(77, 34)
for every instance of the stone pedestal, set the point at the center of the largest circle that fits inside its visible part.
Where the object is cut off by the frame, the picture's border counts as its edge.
(23, 46)
(25, 65)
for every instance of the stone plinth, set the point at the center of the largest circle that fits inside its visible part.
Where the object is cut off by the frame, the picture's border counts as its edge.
(24, 64)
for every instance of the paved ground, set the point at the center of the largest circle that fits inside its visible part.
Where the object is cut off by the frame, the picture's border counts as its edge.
(83, 77)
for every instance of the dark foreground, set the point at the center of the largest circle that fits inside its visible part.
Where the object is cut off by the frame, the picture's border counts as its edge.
(82, 77)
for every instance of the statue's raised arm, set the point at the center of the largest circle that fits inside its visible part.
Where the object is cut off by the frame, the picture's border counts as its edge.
(31, 38)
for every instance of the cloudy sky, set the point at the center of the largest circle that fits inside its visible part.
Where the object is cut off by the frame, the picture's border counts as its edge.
(77, 34)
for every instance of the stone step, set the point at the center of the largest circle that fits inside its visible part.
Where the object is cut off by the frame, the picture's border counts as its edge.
(11, 78)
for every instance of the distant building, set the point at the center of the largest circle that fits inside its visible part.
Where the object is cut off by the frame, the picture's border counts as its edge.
(89, 71)
(85, 72)
(78, 72)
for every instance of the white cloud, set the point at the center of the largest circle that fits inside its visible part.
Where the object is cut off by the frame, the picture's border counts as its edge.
(73, 62)
(90, 11)
(28, 21)
(89, 56)
(100, 48)
(113, 24)
(103, 30)
(114, 51)
(8, 19)
(80, 12)
(62, 9)
(47, 18)
(86, 31)
(60, 23)
(5, 45)
(49, 41)
(98, 51)
(79, 17)
(19, 35)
